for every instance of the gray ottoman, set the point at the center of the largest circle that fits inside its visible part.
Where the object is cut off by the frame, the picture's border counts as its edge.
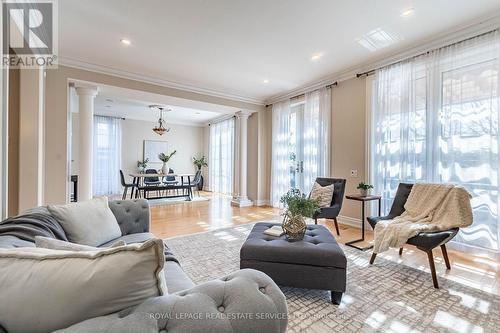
(316, 262)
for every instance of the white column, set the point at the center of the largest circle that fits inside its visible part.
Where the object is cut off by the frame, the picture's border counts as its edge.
(241, 200)
(86, 97)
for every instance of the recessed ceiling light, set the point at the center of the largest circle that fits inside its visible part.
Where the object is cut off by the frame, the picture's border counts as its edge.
(316, 56)
(108, 106)
(109, 100)
(196, 113)
(266, 81)
(125, 41)
(407, 13)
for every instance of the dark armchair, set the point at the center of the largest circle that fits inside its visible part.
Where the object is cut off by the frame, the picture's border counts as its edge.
(424, 241)
(338, 197)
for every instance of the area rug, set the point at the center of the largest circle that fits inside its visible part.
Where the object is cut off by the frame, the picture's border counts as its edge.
(174, 201)
(385, 297)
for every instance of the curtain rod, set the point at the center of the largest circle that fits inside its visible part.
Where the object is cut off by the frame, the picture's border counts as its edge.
(328, 86)
(221, 119)
(115, 117)
(372, 71)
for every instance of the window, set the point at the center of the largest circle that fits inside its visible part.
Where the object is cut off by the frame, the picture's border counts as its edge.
(435, 119)
(221, 156)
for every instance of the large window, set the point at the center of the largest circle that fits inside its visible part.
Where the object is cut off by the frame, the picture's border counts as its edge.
(221, 156)
(107, 155)
(435, 119)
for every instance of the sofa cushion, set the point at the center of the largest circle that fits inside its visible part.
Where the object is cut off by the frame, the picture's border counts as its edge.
(133, 323)
(89, 223)
(53, 289)
(131, 239)
(175, 277)
(55, 244)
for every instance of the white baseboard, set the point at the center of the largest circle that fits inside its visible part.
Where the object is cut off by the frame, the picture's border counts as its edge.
(353, 222)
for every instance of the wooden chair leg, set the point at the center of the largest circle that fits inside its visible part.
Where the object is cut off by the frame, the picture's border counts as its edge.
(124, 195)
(315, 221)
(400, 251)
(445, 256)
(336, 226)
(372, 259)
(433, 269)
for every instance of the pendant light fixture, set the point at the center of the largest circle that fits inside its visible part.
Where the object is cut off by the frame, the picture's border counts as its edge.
(160, 129)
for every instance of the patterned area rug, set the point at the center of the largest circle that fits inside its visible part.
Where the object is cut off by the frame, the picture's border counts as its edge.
(385, 297)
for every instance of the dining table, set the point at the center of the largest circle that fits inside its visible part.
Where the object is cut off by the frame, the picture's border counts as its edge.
(138, 181)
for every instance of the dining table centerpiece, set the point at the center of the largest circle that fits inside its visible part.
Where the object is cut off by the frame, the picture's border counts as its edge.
(297, 207)
(165, 158)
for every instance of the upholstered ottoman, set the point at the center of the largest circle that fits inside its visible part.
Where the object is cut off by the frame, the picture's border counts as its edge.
(316, 262)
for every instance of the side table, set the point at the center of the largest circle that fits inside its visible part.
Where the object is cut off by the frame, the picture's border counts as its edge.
(363, 199)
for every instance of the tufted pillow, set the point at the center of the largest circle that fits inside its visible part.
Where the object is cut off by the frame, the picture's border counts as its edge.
(323, 194)
(88, 222)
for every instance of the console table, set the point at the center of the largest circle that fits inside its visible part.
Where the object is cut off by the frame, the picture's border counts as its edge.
(363, 199)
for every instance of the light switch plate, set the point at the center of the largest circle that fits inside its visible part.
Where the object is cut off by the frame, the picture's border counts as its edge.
(354, 173)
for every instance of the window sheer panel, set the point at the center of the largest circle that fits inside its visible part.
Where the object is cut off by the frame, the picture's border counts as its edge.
(280, 154)
(221, 156)
(435, 119)
(107, 155)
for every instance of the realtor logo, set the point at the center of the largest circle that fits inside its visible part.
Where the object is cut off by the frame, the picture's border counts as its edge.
(28, 31)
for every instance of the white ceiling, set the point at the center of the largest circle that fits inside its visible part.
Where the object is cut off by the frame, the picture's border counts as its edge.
(232, 46)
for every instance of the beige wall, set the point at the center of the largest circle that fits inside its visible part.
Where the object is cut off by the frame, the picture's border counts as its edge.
(13, 165)
(57, 120)
(349, 138)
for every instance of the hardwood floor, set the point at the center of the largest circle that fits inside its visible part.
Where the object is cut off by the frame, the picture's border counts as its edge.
(186, 218)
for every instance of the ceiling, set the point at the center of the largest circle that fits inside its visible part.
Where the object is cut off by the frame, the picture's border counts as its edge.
(133, 104)
(232, 46)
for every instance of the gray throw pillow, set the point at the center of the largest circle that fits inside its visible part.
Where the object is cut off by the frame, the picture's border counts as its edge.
(56, 244)
(53, 289)
(88, 223)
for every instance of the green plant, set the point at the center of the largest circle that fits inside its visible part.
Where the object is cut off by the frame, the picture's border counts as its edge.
(296, 203)
(165, 158)
(143, 164)
(363, 186)
(200, 162)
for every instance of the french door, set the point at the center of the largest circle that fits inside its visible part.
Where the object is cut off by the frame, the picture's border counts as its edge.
(296, 148)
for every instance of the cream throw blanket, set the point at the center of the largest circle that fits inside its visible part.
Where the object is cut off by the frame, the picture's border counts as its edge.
(430, 207)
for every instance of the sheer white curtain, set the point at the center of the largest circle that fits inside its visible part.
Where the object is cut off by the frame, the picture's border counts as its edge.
(107, 155)
(221, 156)
(280, 163)
(435, 119)
(316, 136)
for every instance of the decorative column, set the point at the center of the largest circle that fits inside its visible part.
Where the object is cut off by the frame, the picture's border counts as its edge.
(86, 97)
(240, 198)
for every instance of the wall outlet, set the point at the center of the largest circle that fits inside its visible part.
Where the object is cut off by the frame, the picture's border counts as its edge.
(354, 173)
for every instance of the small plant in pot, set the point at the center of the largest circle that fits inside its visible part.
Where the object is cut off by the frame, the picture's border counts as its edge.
(142, 165)
(165, 158)
(200, 162)
(298, 207)
(364, 189)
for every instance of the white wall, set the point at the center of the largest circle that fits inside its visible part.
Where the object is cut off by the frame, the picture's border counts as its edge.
(187, 140)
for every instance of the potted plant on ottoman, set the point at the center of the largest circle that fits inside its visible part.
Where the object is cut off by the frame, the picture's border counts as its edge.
(200, 162)
(364, 189)
(165, 158)
(297, 208)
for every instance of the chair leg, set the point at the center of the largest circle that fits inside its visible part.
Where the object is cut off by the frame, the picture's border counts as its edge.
(433, 269)
(124, 195)
(336, 226)
(445, 256)
(400, 251)
(372, 259)
(315, 221)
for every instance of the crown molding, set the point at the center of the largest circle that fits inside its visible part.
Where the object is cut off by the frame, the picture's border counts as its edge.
(464, 31)
(79, 64)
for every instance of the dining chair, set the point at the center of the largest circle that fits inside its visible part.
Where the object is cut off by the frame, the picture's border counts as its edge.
(126, 186)
(196, 181)
(152, 181)
(170, 180)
